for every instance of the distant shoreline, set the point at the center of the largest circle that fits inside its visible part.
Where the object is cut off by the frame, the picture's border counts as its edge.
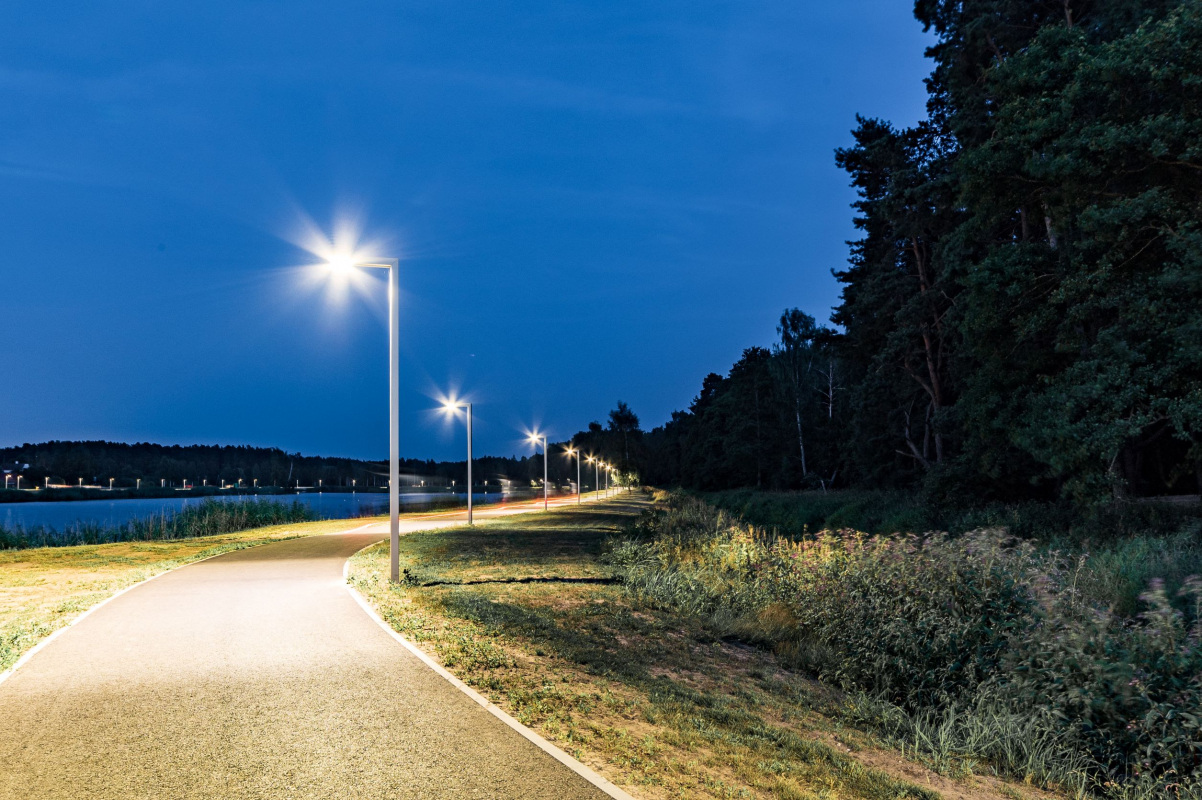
(71, 494)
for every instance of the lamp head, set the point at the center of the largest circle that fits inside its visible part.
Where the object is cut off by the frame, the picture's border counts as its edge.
(340, 264)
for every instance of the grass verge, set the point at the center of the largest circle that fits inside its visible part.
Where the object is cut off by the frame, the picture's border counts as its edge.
(526, 611)
(42, 589)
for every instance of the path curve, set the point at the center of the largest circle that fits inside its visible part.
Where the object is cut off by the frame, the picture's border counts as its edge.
(256, 675)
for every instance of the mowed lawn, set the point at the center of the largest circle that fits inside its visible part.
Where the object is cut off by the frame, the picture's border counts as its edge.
(44, 588)
(527, 612)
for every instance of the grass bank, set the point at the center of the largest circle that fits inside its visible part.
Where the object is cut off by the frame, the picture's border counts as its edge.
(1127, 547)
(530, 613)
(979, 646)
(43, 589)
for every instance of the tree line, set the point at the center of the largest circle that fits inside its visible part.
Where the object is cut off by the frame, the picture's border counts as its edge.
(1021, 314)
(95, 462)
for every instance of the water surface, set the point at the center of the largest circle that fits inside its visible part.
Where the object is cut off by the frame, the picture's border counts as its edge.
(326, 505)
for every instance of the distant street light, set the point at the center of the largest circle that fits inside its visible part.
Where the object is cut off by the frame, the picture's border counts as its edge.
(572, 452)
(596, 462)
(110, 484)
(450, 406)
(344, 264)
(534, 439)
(139, 483)
(19, 481)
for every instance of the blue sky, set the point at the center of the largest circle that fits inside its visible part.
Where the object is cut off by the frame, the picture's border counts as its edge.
(592, 201)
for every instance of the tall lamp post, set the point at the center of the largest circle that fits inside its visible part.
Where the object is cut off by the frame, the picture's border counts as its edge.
(345, 265)
(450, 406)
(535, 438)
(596, 462)
(573, 452)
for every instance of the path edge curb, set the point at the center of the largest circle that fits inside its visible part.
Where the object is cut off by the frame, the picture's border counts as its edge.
(530, 735)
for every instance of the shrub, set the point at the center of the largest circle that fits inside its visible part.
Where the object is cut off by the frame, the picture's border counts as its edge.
(992, 630)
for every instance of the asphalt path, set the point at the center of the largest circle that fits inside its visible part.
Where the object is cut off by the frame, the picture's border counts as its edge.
(257, 675)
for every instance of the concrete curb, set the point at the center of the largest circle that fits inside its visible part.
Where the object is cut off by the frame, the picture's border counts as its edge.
(532, 737)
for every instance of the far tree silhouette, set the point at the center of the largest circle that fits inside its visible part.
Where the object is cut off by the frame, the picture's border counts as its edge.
(624, 421)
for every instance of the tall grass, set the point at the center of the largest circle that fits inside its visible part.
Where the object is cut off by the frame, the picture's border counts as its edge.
(210, 518)
(796, 513)
(976, 646)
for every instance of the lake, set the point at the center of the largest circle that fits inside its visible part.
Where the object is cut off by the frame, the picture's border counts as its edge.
(327, 505)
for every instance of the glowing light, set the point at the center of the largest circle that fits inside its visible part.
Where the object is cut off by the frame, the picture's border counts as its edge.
(340, 264)
(452, 403)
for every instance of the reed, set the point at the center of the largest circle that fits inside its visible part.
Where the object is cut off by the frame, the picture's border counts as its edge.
(210, 518)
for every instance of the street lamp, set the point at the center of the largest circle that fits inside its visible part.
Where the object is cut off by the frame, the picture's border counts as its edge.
(534, 439)
(343, 265)
(596, 462)
(451, 406)
(573, 452)
(110, 484)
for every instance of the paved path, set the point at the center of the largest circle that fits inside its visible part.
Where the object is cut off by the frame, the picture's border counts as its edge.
(256, 675)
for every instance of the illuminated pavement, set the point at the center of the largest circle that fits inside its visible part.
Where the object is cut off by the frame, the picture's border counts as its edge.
(256, 675)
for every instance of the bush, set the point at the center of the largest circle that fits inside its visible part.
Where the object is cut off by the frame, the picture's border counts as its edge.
(991, 629)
